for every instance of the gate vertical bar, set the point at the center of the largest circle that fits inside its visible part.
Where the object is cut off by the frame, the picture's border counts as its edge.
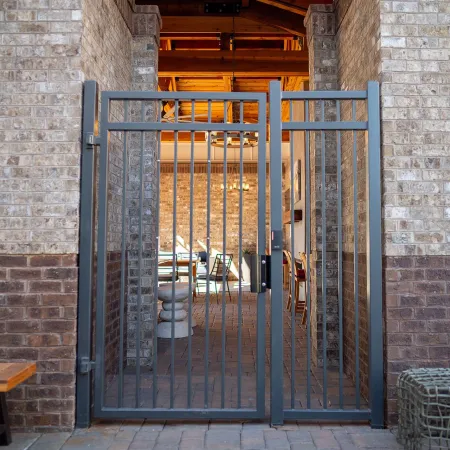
(241, 207)
(224, 262)
(87, 229)
(276, 321)
(208, 250)
(191, 237)
(356, 259)
(140, 252)
(261, 237)
(308, 259)
(155, 300)
(293, 264)
(102, 237)
(374, 261)
(340, 256)
(324, 259)
(122, 261)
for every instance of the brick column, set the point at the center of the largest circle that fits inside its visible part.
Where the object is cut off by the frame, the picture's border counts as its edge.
(416, 154)
(145, 45)
(321, 29)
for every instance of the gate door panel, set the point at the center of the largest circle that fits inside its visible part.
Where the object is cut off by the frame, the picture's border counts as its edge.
(326, 354)
(176, 172)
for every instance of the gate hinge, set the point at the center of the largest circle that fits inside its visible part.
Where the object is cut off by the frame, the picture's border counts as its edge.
(86, 365)
(260, 273)
(91, 139)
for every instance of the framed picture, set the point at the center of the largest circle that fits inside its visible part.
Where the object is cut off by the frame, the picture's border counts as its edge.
(297, 183)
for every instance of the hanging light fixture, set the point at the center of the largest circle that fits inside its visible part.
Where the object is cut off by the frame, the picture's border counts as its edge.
(235, 182)
(234, 139)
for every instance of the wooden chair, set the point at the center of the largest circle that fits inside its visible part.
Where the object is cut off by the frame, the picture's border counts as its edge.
(299, 278)
(11, 375)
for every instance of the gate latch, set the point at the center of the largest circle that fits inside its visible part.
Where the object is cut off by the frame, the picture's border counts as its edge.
(259, 273)
(85, 365)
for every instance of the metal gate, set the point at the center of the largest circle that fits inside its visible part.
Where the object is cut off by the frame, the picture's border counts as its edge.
(128, 258)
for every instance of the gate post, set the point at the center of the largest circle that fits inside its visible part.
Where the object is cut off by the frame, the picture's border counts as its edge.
(83, 390)
(276, 265)
(374, 263)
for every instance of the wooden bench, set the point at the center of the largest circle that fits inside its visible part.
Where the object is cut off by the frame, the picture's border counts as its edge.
(11, 375)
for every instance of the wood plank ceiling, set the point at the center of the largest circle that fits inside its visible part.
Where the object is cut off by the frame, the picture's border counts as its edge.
(230, 45)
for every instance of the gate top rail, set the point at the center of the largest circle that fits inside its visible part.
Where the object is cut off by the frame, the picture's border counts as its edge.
(324, 95)
(214, 96)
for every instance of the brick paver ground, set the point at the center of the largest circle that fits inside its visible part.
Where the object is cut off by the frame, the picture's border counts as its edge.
(140, 435)
(295, 376)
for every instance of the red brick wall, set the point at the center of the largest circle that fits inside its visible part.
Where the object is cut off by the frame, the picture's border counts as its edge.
(417, 290)
(38, 311)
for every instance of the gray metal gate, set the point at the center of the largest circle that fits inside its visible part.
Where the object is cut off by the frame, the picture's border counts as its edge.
(138, 375)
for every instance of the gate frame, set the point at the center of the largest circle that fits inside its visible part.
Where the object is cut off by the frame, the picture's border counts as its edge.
(85, 364)
(375, 413)
(86, 385)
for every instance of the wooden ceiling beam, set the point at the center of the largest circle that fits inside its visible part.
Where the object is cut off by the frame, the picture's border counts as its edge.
(289, 6)
(275, 17)
(229, 56)
(216, 36)
(214, 24)
(243, 64)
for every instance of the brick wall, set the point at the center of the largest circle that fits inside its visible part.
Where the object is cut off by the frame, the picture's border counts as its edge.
(38, 311)
(321, 28)
(405, 45)
(357, 39)
(48, 49)
(415, 51)
(249, 213)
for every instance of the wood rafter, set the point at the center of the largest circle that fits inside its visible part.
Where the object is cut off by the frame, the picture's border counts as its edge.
(275, 17)
(213, 24)
(300, 8)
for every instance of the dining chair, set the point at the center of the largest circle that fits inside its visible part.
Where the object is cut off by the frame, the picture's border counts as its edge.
(299, 279)
(221, 264)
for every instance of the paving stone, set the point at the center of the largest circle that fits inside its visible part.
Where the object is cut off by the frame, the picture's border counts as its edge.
(21, 441)
(142, 445)
(223, 439)
(374, 440)
(198, 434)
(252, 438)
(276, 439)
(302, 446)
(119, 445)
(325, 440)
(146, 435)
(299, 436)
(126, 435)
(169, 436)
(191, 444)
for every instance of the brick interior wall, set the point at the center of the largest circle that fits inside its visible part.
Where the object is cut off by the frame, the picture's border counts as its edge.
(357, 39)
(38, 311)
(249, 213)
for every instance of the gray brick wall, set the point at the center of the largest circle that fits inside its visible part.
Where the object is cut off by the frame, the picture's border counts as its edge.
(40, 121)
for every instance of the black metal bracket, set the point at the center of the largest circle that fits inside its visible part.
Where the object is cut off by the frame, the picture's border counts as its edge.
(85, 365)
(226, 8)
(260, 273)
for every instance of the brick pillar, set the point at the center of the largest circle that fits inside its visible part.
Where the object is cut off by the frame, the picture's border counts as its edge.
(321, 28)
(145, 45)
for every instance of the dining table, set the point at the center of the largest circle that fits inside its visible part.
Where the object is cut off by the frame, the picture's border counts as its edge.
(181, 262)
